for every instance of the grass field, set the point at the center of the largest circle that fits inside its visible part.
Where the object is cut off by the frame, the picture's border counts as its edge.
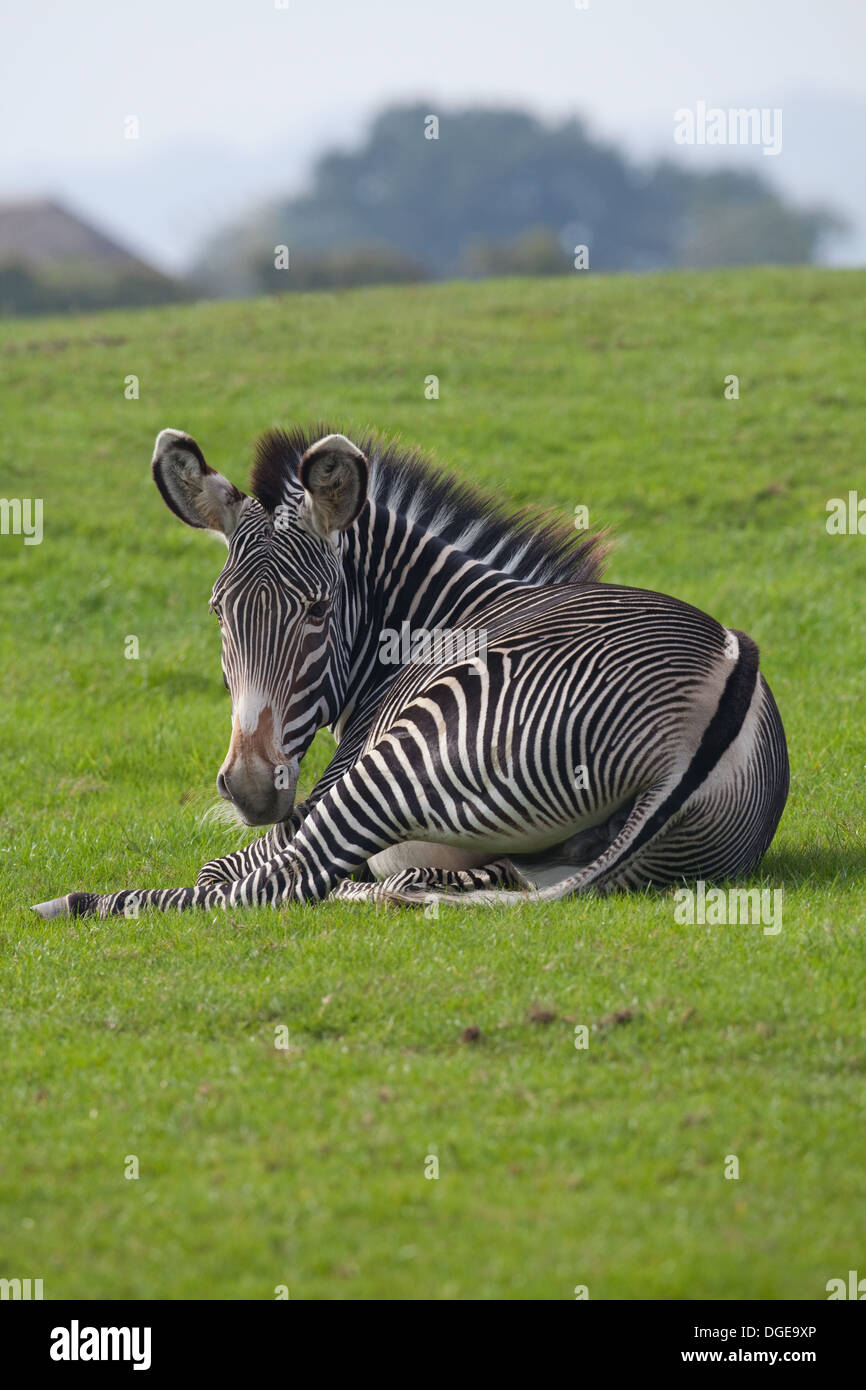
(305, 1166)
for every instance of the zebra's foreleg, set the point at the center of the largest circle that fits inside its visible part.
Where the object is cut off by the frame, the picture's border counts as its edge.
(231, 867)
(273, 882)
(218, 874)
(363, 813)
(128, 903)
(336, 839)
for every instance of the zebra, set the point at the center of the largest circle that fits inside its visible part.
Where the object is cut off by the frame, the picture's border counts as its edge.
(603, 738)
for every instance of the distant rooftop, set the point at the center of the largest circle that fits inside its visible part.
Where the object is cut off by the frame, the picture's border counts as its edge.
(41, 232)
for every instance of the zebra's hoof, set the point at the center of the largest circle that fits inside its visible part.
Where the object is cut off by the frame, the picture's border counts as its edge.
(55, 907)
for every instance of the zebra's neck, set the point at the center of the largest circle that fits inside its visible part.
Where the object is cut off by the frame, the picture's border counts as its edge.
(399, 579)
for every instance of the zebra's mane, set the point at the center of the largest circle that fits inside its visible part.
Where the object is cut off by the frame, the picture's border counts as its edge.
(528, 543)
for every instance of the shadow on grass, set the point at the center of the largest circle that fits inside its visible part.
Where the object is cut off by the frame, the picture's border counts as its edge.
(815, 864)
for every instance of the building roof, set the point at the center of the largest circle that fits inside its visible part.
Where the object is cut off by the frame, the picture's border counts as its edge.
(40, 231)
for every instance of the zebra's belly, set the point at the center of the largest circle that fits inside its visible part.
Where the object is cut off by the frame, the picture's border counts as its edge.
(420, 854)
(574, 843)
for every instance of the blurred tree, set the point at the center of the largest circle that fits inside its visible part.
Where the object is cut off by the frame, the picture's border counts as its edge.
(494, 179)
(536, 253)
(72, 288)
(342, 268)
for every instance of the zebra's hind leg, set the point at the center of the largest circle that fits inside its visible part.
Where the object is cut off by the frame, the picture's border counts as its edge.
(417, 887)
(644, 820)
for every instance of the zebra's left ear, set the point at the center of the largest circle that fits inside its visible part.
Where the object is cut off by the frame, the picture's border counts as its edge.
(334, 474)
(191, 488)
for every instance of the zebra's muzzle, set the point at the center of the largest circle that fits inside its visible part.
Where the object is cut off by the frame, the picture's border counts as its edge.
(263, 792)
(254, 777)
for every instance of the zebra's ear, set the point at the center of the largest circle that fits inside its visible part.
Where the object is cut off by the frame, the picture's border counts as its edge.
(334, 474)
(195, 492)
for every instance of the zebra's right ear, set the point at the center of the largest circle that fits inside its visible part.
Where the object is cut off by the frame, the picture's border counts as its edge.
(334, 475)
(195, 492)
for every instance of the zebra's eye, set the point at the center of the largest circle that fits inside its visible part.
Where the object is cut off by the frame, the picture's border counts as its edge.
(318, 608)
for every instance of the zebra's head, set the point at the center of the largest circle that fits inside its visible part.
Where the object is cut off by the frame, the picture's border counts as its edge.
(277, 602)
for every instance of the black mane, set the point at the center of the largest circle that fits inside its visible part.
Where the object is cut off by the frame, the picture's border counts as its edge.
(527, 544)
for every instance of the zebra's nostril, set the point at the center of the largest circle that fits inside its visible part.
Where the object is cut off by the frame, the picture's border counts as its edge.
(223, 787)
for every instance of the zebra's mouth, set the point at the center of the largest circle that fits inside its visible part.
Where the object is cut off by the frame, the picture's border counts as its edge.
(278, 808)
(261, 792)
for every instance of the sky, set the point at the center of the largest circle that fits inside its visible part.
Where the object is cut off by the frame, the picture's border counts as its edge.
(234, 98)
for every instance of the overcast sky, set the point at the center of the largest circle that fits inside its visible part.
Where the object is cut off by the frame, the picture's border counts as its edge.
(235, 97)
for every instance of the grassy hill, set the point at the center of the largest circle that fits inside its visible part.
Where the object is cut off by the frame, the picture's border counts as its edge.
(305, 1167)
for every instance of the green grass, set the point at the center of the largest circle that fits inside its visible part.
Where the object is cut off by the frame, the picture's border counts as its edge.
(262, 1166)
